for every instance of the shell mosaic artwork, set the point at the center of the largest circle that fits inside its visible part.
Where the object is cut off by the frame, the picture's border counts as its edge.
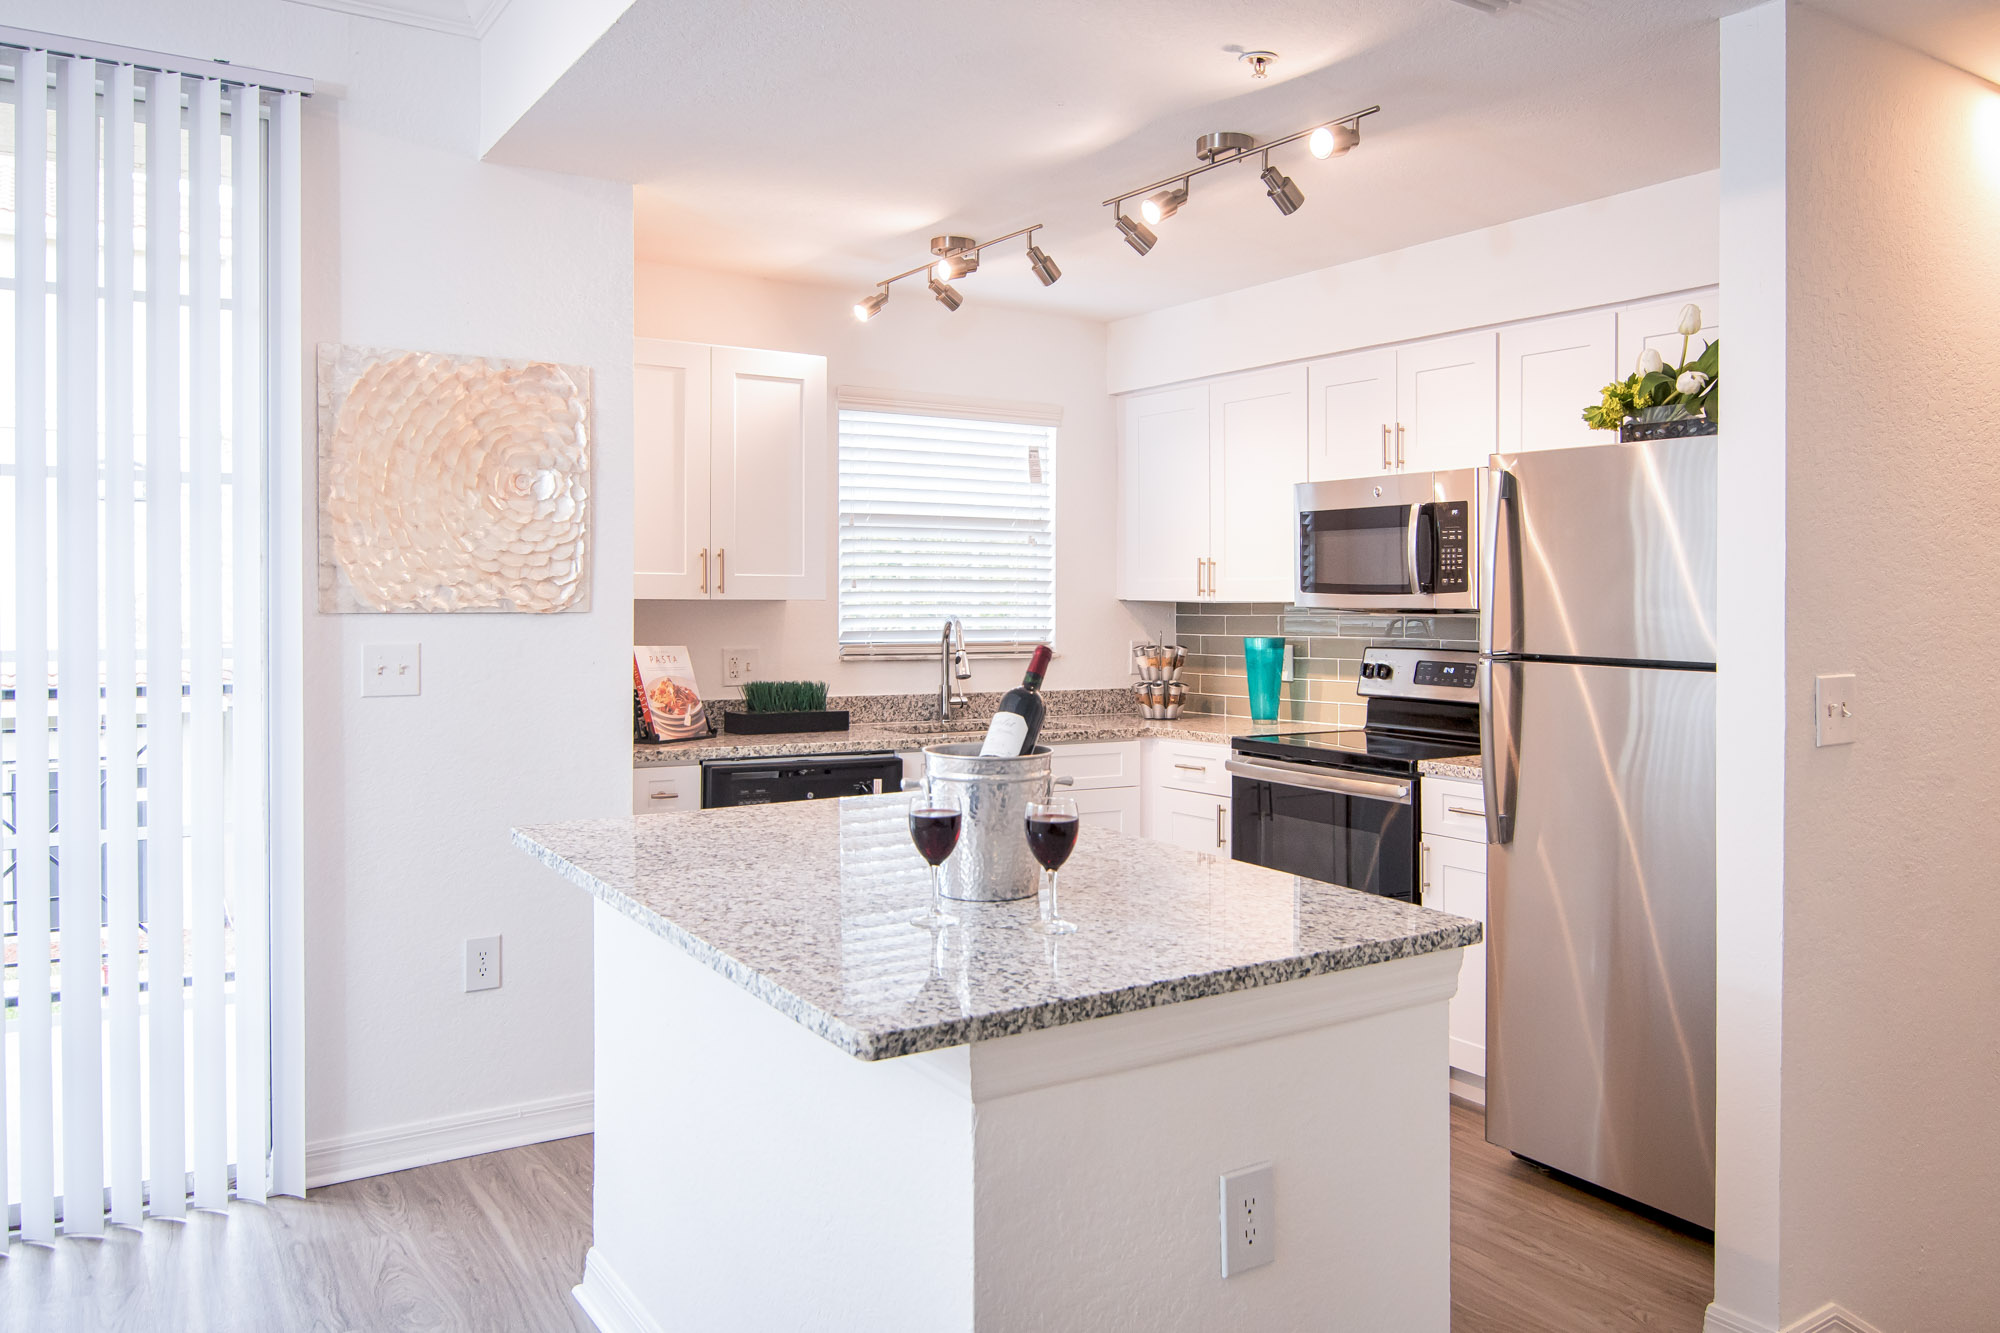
(452, 483)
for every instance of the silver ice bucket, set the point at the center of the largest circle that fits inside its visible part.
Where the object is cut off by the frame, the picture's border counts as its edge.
(992, 863)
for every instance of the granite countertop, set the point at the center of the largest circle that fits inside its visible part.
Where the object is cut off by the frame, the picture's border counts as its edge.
(814, 907)
(1059, 729)
(1465, 768)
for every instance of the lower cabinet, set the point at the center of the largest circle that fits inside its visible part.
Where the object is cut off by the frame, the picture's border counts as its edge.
(1192, 819)
(659, 789)
(1115, 808)
(1453, 879)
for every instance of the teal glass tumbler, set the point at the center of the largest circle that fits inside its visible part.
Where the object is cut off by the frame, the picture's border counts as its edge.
(1264, 663)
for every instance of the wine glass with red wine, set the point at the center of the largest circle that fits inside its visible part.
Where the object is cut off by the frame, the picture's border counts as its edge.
(936, 817)
(1052, 829)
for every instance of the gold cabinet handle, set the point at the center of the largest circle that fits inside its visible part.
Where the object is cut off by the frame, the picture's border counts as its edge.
(1386, 461)
(666, 796)
(721, 571)
(1466, 811)
(1221, 812)
(1211, 578)
(1197, 575)
(704, 571)
(1192, 768)
(1399, 446)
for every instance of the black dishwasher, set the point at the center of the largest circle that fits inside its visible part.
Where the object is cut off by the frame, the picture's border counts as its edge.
(797, 777)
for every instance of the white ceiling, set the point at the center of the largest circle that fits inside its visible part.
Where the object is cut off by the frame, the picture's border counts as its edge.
(461, 18)
(826, 140)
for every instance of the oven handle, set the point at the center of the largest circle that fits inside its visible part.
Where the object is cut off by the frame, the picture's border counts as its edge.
(1305, 775)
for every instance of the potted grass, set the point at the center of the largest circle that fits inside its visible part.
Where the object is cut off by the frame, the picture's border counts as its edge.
(771, 706)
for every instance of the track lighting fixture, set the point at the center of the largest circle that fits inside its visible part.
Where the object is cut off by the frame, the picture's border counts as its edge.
(1286, 195)
(1137, 234)
(1042, 266)
(1162, 199)
(870, 306)
(1159, 207)
(956, 257)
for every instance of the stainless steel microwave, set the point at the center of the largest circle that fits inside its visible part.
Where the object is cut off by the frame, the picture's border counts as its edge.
(1407, 542)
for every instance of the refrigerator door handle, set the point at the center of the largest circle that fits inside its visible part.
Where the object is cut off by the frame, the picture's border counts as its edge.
(1499, 748)
(1502, 513)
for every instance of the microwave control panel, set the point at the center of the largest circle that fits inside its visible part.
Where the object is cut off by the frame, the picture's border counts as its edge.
(1454, 571)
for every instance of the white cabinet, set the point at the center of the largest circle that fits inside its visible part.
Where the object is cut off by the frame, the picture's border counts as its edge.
(1452, 878)
(1205, 498)
(1187, 765)
(1656, 324)
(1550, 370)
(659, 789)
(731, 473)
(1163, 495)
(1424, 406)
(1187, 795)
(1091, 767)
(1256, 455)
(1351, 415)
(1116, 808)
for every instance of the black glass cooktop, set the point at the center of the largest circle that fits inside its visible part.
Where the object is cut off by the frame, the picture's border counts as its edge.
(1356, 748)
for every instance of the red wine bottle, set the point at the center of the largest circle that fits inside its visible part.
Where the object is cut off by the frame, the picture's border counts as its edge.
(1019, 721)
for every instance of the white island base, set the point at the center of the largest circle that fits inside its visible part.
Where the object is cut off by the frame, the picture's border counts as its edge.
(750, 1176)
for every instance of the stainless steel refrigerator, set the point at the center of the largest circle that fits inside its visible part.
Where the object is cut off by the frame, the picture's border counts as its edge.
(1597, 679)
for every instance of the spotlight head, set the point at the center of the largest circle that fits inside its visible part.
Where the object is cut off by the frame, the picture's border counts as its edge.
(1042, 266)
(870, 306)
(1137, 234)
(1333, 140)
(946, 294)
(956, 257)
(1158, 208)
(1284, 193)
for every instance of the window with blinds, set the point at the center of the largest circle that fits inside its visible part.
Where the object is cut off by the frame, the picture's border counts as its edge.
(942, 516)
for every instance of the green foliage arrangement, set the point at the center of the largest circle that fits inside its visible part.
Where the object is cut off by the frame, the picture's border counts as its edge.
(1657, 391)
(784, 696)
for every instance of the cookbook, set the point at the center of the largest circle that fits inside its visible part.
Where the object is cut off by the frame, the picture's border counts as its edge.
(672, 707)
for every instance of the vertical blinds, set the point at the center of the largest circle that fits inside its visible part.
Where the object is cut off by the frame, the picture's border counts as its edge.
(134, 757)
(944, 516)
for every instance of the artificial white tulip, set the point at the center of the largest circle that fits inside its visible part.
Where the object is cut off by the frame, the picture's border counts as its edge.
(1650, 360)
(1691, 381)
(1690, 323)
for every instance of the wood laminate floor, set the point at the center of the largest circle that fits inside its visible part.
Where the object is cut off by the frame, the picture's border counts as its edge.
(493, 1244)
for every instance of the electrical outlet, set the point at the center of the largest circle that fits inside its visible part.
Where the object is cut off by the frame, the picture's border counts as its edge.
(389, 669)
(482, 964)
(739, 665)
(1248, 1239)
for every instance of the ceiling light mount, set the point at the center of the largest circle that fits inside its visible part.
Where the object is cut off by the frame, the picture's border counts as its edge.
(1259, 62)
(1223, 145)
(956, 257)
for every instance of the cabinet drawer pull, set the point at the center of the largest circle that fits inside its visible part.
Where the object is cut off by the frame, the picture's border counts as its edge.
(1386, 464)
(1399, 446)
(721, 571)
(1192, 768)
(666, 796)
(1197, 575)
(1467, 811)
(704, 571)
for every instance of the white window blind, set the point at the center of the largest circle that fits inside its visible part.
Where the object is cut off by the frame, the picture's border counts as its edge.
(943, 516)
(148, 266)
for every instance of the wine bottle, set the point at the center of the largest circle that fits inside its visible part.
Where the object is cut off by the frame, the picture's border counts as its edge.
(1019, 721)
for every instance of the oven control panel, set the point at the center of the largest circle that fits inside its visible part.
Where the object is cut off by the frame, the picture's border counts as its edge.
(1457, 675)
(1450, 674)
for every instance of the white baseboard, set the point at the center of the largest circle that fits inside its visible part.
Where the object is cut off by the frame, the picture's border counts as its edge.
(608, 1301)
(445, 1139)
(1829, 1318)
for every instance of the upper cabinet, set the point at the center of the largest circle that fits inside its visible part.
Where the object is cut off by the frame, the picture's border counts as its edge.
(1656, 324)
(1550, 370)
(1205, 500)
(731, 473)
(1424, 406)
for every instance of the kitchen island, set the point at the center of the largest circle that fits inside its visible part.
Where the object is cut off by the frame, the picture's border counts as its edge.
(813, 1112)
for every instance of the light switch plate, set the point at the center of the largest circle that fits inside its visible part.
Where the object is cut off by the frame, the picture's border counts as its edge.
(390, 669)
(1834, 706)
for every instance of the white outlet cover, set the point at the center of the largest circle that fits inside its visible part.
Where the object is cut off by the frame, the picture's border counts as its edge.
(739, 665)
(391, 669)
(1834, 708)
(1248, 1238)
(482, 963)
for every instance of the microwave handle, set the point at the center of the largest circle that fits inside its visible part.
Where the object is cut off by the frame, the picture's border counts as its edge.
(1424, 543)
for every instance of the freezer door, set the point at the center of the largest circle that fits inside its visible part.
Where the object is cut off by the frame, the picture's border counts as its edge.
(1601, 928)
(1602, 552)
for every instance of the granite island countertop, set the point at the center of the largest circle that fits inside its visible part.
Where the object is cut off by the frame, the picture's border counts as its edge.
(814, 908)
(862, 737)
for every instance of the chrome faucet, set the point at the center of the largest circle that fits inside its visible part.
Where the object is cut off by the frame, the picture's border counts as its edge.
(951, 662)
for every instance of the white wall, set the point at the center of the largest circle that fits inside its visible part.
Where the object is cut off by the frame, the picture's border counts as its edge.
(1658, 239)
(1875, 410)
(916, 346)
(411, 242)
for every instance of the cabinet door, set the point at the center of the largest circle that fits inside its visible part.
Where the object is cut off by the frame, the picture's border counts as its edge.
(1163, 495)
(769, 487)
(662, 789)
(1256, 455)
(1113, 764)
(1446, 392)
(1455, 881)
(1189, 819)
(1350, 415)
(670, 456)
(1115, 808)
(1187, 765)
(1550, 370)
(1655, 324)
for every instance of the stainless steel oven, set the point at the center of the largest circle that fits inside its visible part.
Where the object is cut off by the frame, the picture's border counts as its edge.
(1395, 543)
(1344, 828)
